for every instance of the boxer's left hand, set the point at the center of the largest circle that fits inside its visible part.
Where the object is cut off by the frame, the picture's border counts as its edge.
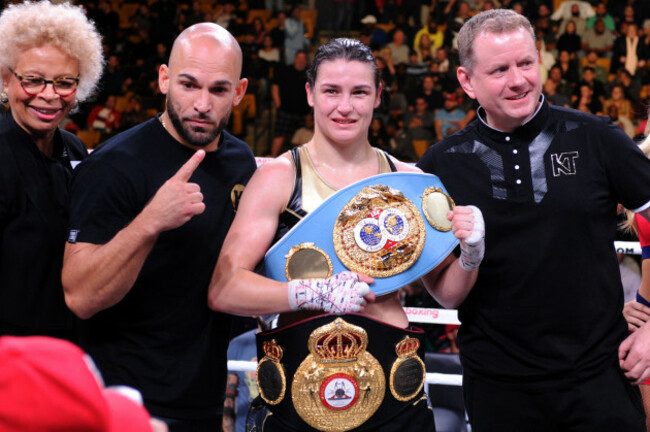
(468, 226)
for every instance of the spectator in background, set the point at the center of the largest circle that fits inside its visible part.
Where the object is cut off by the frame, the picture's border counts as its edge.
(415, 67)
(258, 31)
(598, 39)
(241, 387)
(444, 81)
(305, 133)
(343, 13)
(386, 72)
(419, 122)
(631, 85)
(294, 35)
(568, 67)
(388, 10)
(278, 32)
(104, 117)
(579, 21)
(107, 21)
(290, 101)
(430, 93)
(133, 114)
(402, 23)
(112, 79)
(623, 105)
(598, 87)
(399, 48)
(553, 96)
(159, 57)
(585, 100)
(196, 15)
(425, 52)
(629, 51)
(546, 27)
(546, 58)
(401, 142)
(627, 17)
(591, 60)
(442, 57)
(570, 41)
(163, 13)
(378, 37)
(436, 36)
(602, 15)
(640, 8)
(142, 19)
(269, 52)
(257, 71)
(623, 122)
(449, 119)
(377, 136)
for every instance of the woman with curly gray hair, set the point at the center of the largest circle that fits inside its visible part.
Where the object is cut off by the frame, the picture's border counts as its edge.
(50, 59)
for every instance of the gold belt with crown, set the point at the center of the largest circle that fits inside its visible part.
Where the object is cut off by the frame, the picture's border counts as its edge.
(340, 372)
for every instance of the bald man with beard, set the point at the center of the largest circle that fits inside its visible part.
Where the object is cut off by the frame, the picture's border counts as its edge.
(149, 213)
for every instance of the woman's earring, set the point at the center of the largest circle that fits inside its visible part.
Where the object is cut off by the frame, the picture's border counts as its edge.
(4, 98)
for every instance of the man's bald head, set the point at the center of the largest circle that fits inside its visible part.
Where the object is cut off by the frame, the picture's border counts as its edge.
(202, 82)
(205, 33)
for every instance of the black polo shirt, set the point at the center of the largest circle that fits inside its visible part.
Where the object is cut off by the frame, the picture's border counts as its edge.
(546, 309)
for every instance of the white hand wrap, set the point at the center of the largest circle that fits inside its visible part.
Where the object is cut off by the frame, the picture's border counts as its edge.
(472, 248)
(340, 293)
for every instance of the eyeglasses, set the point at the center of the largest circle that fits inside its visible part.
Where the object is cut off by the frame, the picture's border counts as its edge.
(34, 84)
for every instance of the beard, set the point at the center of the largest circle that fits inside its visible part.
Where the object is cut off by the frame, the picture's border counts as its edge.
(196, 136)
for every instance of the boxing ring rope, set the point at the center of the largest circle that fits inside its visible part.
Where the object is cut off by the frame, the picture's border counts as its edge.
(434, 316)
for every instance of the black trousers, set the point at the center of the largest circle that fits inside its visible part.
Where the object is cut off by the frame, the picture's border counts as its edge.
(604, 403)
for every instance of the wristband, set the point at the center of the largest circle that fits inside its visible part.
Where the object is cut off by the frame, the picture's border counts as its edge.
(640, 299)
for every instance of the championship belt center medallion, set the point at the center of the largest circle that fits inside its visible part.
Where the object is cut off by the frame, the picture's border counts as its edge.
(340, 385)
(379, 232)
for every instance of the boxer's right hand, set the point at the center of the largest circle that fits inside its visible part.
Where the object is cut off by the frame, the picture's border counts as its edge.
(344, 292)
(177, 200)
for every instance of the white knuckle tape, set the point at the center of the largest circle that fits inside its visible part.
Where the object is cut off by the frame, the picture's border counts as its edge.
(472, 249)
(478, 231)
(338, 294)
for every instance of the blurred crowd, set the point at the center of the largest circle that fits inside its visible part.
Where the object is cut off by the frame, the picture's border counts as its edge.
(593, 57)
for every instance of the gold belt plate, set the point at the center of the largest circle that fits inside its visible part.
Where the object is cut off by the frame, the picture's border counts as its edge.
(340, 385)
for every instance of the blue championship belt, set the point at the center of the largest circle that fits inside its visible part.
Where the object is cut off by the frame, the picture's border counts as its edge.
(392, 227)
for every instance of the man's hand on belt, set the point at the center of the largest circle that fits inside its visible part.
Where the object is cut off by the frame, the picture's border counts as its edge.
(344, 292)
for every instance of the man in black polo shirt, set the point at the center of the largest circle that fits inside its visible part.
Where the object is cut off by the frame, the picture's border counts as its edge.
(149, 213)
(541, 327)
